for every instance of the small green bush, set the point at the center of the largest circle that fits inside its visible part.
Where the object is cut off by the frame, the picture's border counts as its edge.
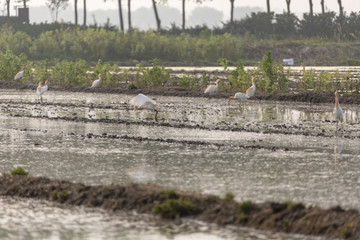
(154, 76)
(170, 193)
(174, 208)
(188, 83)
(229, 196)
(19, 171)
(294, 206)
(274, 77)
(246, 207)
(286, 225)
(345, 232)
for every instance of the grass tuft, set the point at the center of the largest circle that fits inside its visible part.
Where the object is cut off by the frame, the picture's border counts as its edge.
(229, 196)
(174, 208)
(171, 193)
(19, 171)
(294, 206)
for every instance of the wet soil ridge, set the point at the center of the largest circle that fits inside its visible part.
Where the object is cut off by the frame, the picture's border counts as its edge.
(264, 129)
(147, 198)
(173, 141)
(311, 97)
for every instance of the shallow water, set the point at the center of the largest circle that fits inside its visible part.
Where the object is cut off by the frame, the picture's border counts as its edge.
(290, 162)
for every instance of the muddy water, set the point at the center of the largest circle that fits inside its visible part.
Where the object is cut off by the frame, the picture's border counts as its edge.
(259, 151)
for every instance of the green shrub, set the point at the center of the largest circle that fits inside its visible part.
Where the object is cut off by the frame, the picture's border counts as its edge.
(294, 206)
(286, 225)
(246, 207)
(170, 193)
(154, 76)
(188, 83)
(19, 171)
(274, 78)
(70, 73)
(109, 73)
(10, 64)
(228, 196)
(174, 208)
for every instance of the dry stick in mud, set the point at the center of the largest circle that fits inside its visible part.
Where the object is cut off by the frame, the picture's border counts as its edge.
(147, 198)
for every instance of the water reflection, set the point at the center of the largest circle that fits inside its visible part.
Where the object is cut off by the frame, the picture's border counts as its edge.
(338, 147)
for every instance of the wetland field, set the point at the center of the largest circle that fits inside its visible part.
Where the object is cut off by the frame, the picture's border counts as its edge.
(259, 151)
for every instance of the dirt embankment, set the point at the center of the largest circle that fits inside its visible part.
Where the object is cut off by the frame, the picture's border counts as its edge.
(285, 217)
(311, 97)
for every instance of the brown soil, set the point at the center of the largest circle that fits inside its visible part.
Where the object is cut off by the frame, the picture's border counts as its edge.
(277, 217)
(311, 97)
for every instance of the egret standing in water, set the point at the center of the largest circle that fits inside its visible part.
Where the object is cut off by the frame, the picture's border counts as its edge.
(97, 82)
(41, 90)
(338, 111)
(212, 88)
(141, 102)
(20, 74)
(244, 96)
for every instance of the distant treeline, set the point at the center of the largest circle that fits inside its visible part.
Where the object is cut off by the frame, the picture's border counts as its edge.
(198, 44)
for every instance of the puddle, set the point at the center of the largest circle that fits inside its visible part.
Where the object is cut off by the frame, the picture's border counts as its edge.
(310, 162)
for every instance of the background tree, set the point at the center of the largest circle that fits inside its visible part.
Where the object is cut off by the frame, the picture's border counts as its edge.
(8, 7)
(55, 6)
(84, 13)
(121, 16)
(157, 18)
(268, 5)
(129, 15)
(183, 12)
(322, 6)
(311, 7)
(22, 1)
(288, 5)
(341, 10)
(76, 11)
(232, 11)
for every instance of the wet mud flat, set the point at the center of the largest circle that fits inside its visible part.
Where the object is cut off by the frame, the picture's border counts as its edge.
(143, 198)
(310, 97)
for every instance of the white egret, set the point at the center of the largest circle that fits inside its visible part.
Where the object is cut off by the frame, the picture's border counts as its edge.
(20, 74)
(338, 111)
(141, 102)
(212, 88)
(41, 90)
(97, 82)
(244, 96)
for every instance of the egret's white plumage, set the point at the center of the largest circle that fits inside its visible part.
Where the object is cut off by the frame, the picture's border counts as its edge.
(97, 82)
(251, 90)
(141, 102)
(212, 88)
(338, 111)
(244, 96)
(41, 90)
(19, 74)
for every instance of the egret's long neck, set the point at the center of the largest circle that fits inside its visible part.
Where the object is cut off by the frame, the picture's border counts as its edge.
(336, 102)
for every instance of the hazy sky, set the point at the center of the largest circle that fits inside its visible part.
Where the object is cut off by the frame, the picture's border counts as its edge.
(221, 5)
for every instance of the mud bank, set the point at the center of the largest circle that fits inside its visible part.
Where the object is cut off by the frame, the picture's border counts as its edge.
(277, 217)
(310, 97)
